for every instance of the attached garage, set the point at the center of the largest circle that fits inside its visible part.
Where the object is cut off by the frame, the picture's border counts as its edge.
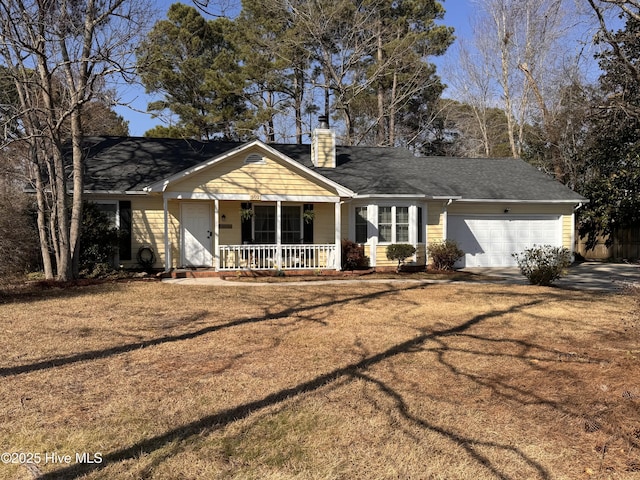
(490, 240)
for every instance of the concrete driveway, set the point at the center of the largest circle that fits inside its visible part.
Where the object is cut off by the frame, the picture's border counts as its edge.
(595, 276)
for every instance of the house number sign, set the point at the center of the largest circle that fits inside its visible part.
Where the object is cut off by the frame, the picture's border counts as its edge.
(256, 197)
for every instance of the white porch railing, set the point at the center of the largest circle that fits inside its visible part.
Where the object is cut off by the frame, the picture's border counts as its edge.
(284, 257)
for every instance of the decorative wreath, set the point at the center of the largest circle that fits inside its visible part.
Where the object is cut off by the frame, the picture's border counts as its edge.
(146, 258)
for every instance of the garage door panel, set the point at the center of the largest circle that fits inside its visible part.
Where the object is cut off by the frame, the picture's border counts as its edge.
(490, 241)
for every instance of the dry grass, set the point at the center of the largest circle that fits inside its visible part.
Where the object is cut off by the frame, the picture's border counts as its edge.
(374, 381)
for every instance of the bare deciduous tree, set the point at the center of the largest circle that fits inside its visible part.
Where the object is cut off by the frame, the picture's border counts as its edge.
(60, 54)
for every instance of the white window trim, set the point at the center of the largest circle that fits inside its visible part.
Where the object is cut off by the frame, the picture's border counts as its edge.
(111, 202)
(411, 219)
(116, 256)
(278, 218)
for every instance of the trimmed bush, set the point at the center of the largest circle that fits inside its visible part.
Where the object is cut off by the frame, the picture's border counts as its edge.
(353, 257)
(400, 252)
(99, 241)
(444, 254)
(542, 265)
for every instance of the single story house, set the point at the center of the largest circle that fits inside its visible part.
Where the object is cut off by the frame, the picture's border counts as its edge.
(231, 206)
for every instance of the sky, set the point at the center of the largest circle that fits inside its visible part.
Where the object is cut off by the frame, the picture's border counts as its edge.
(457, 15)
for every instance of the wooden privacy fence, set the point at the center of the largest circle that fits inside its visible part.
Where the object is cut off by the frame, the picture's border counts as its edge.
(626, 244)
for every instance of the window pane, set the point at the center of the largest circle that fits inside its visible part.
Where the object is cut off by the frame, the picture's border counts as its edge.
(291, 220)
(385, 224)
(265, 224)
(402, 233)
(402, 224)
(361, 225)
(384, 215)
(110, 210)
(402, 214)
(384, 233)
(420, 226)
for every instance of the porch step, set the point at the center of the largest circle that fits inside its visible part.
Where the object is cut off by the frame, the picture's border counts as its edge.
(195, 273)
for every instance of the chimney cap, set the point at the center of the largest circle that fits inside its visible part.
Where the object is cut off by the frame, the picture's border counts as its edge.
(324, 121)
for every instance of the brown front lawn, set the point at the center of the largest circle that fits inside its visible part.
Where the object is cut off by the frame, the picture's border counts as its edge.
(374, 381)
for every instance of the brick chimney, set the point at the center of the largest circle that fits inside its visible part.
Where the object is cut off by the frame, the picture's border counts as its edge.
(323, 145)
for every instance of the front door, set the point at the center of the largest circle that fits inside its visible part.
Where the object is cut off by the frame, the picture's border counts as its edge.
(196, 235)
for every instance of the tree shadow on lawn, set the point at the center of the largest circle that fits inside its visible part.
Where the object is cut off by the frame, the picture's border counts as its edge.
(296, 310)
(349, 372)
(30, 292)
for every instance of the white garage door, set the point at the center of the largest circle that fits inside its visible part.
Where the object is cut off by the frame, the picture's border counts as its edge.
(489, 241)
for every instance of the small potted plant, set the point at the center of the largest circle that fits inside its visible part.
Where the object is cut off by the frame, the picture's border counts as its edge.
(246, 213)
(308, 215)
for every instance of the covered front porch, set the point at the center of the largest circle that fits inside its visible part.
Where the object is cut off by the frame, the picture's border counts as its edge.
(252, 233)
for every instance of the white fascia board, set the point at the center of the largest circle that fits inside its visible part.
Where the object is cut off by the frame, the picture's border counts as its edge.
(251, 198)
(114, 192)
(445, 197)
(96, 192)
(497, 200)
(388, 195)
(162, 185)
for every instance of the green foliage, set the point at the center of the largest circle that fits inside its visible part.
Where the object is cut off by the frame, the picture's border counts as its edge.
(542, 265)
(612, 149)
(353, 257)
(18, 235)
(99, 241)
(444, 254)
(195, 65)
(400, 252)
(98, 118)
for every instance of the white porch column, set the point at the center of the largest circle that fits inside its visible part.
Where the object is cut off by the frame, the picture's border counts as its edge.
(372, 213)
(167, 246)
(216, 234)
(279, 234)
(338, 238)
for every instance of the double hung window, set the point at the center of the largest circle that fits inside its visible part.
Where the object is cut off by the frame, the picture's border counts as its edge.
(393, 224)
(362, 225)
(265, 224)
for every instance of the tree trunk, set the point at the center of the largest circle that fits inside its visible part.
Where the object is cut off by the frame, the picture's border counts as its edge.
(381, 137)
(298, 96)
(508, 106)
(78, 188)
(392, 110)
(41, 219)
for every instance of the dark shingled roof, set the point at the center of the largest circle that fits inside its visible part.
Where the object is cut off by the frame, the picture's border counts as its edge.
(132, 163)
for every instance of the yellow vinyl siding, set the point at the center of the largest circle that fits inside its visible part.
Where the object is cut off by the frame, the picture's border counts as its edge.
(323, 223)
(235, 177)
(567, 231)
(381, 257)
(367, 251)
(383, 261)
(147, 228)
(231, 211)
(435, 222)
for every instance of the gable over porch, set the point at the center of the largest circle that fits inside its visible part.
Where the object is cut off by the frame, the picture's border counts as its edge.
(251, 208)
